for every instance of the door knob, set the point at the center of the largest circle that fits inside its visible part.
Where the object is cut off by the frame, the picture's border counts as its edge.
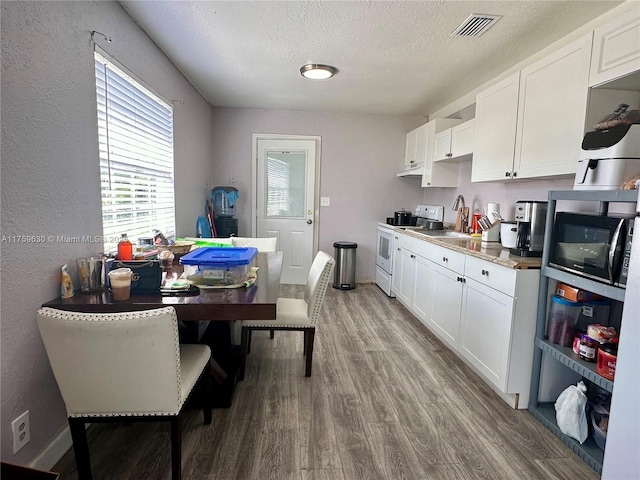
(309, 221)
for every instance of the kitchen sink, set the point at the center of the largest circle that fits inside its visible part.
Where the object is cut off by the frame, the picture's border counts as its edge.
(445, 234)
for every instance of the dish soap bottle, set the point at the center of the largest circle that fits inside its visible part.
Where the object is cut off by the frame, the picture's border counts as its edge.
(125, 248)
(66, 285)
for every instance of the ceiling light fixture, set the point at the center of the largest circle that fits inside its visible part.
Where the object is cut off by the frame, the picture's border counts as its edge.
(316, 71)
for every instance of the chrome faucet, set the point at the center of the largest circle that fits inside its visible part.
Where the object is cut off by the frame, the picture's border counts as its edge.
(457, 204)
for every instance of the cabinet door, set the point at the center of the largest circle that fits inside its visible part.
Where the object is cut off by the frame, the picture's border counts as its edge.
(422, 133)
(422, 289)
(551, 112)
(404, 292)
(442, 145)
(463, 138)
(410, 148)
(397, 263)
(485, 336)
(446, 305)
(615, 49)
(496, 117)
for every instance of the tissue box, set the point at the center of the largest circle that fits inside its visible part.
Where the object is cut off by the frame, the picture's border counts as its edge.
(575, 294)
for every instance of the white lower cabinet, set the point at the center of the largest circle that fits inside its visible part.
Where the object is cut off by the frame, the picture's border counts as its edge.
(447, 305)
(484, 312)
(485, 337)
(422, 291)
(406, 269)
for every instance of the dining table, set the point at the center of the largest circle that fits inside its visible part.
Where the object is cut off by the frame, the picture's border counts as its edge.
(220, 307)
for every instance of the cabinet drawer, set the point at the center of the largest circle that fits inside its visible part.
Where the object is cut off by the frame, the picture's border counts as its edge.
(447, 258)
(417, 246)
(495, 276)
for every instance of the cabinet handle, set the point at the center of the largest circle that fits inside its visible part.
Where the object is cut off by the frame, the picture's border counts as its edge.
(464, 280)
(507, 174)
(485, 272)
(515, 174)
(449, 155)
(428, 183)
(413, 256)
(460, 279)
(445, 259)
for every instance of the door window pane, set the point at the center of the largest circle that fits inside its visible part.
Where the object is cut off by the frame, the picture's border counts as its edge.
(286, 184)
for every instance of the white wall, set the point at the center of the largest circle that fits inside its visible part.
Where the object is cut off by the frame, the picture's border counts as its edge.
(360, 157)
(504, 193)
(50, 177)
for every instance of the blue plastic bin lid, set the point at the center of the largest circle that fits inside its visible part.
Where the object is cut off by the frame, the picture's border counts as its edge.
(564, 301)
(220, 256)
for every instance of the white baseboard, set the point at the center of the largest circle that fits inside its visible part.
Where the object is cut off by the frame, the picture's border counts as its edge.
(54, 451)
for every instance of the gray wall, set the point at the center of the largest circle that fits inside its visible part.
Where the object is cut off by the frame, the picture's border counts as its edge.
(50, 177)
(360, 157)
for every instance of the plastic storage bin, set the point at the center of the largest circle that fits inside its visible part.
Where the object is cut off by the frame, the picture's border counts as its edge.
(563, 315)
(218, 266)
(599, 435)
(593, 311)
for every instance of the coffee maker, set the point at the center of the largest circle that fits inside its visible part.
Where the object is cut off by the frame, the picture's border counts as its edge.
(531, 217)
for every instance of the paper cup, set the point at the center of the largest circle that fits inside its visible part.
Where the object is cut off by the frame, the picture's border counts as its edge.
(120, 280)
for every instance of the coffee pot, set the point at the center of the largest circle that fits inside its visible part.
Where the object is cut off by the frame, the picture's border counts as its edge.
(530, 217)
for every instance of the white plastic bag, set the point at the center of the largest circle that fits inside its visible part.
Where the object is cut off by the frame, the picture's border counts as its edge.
(570, 412)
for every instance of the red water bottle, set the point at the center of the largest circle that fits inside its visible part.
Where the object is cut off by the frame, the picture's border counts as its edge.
(125, 248)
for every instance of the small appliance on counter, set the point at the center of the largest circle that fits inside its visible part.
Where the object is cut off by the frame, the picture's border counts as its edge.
(530, 217)
(611, 152)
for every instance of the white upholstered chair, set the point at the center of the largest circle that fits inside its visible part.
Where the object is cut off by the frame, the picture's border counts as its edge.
(267, 244)
(295, 314)
(122, 367)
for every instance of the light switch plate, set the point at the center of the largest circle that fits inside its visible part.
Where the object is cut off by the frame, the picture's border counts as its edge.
(325, 201)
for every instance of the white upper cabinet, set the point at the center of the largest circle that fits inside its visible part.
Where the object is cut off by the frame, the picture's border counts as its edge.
(495, 130)
(549, 102)
(437, 174)
(410, 148)
(551, 112)
(455, 144)
(416, 146)
(616, 49)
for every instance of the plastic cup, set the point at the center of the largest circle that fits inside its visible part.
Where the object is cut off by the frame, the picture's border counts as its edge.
(91, 274)
(120, 280)
(166, 258)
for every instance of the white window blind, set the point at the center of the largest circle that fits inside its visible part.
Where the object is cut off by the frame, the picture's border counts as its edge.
(135, 135)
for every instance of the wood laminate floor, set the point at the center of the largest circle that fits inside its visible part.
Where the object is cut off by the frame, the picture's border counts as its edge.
(386, 400)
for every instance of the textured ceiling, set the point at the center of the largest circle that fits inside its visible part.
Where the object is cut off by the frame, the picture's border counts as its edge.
(392, 57)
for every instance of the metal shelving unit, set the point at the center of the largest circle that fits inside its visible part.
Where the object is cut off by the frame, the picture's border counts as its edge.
(545, 411)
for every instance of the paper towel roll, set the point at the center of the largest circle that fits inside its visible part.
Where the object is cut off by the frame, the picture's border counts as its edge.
(491, 208)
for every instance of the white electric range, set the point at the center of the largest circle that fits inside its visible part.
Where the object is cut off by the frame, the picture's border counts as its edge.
(385, 247)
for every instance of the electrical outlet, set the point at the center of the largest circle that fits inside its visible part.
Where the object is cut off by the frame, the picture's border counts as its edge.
(325, 201)
(21, 431)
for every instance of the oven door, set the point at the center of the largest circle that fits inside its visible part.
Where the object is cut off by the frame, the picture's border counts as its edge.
(384, 249)
(588, 245)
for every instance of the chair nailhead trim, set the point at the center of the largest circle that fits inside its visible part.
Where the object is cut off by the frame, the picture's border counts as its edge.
(111, 317)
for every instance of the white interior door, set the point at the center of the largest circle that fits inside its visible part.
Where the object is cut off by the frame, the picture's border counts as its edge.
(285, 201)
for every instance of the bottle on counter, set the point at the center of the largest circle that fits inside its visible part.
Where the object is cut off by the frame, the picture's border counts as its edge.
(125, 248)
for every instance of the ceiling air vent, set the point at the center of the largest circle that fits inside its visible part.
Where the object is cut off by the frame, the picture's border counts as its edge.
(476, 25)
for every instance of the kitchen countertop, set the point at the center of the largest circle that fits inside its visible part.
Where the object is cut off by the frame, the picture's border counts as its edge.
(491, 251)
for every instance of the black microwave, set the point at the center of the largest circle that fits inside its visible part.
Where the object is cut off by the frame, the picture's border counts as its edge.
(593, 246)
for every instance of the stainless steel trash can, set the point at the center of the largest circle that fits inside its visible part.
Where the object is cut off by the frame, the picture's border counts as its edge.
(345, 268)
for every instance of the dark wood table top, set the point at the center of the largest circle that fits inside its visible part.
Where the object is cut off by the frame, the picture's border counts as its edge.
(257, 302)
